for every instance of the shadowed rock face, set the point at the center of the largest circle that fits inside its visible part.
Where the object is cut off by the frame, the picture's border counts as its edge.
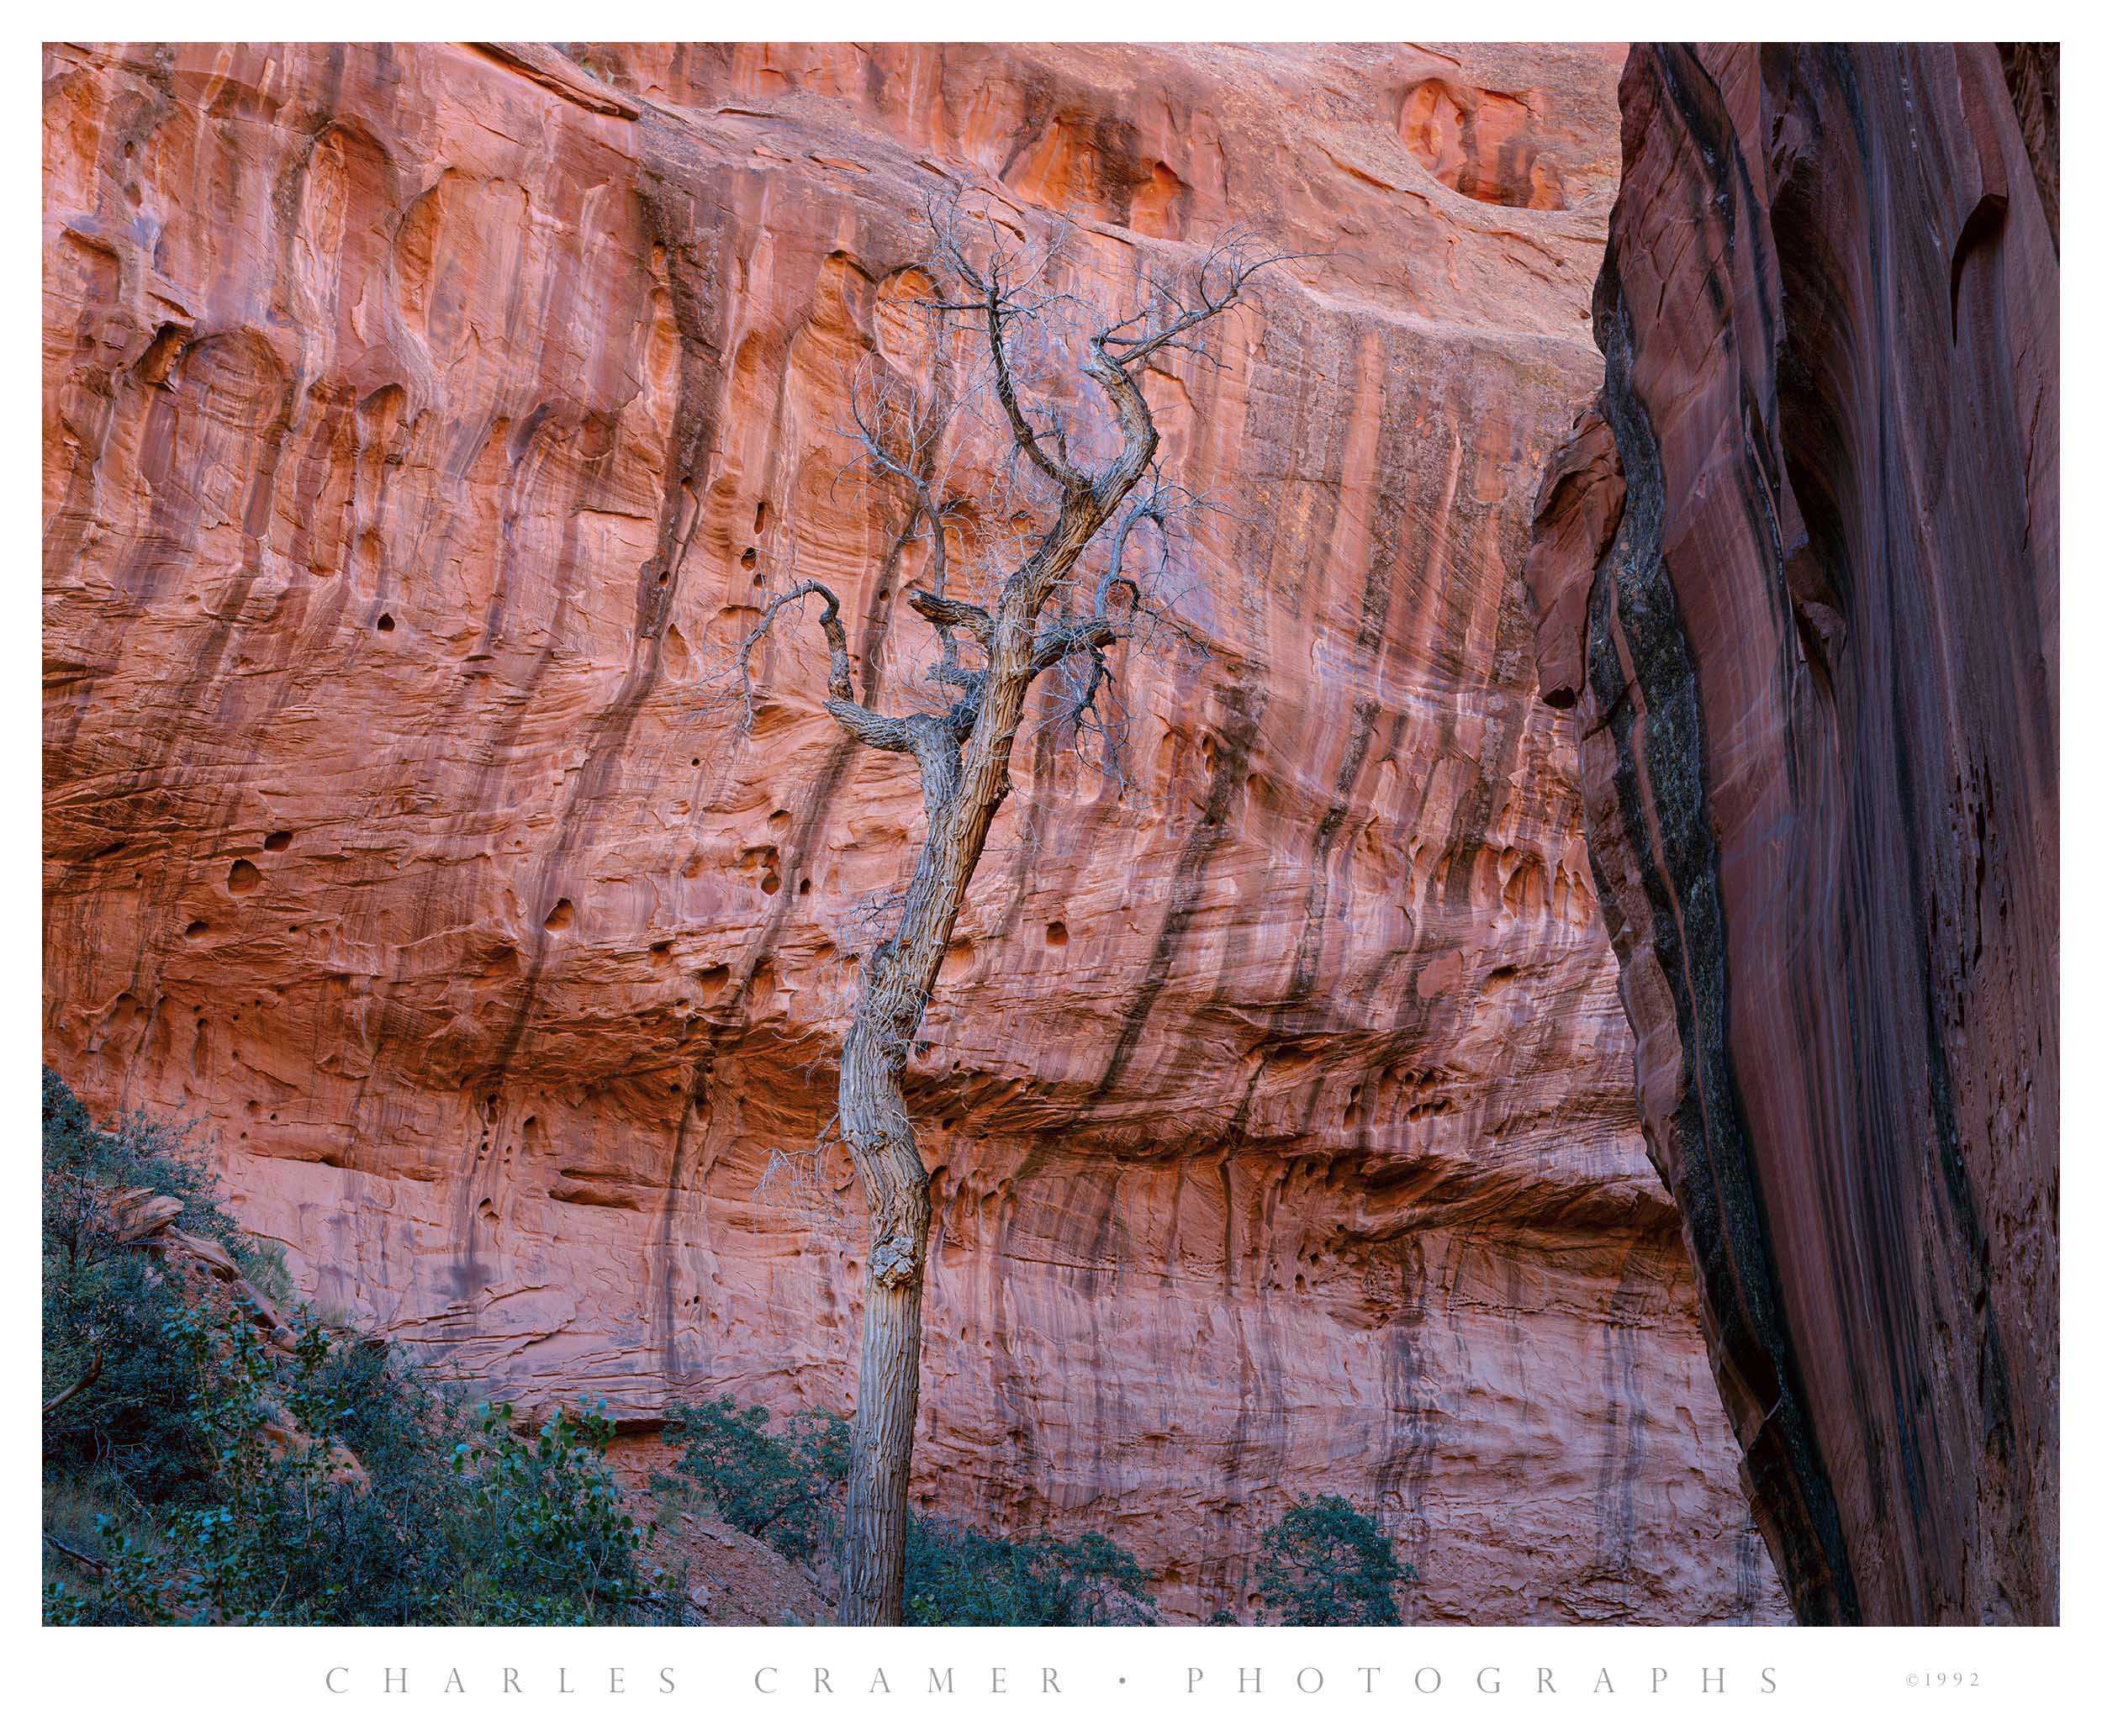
(1798, 576)
(423, 424)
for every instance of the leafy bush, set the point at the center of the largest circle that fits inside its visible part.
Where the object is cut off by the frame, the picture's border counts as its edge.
(787, 1488)
(1327, 1564)
(194, 1472)
(132, 1349)
(957, 1577)
(783, 1488)
(545, 1523)
(83, 1163)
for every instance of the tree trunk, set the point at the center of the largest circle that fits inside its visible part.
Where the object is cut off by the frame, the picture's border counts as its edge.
(964, 784)
(887, 1399)
(963, 791)
(963, 752)
(886, 1408)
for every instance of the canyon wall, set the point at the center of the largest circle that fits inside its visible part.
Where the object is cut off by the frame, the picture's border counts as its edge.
(1797, 577)
(422, 427)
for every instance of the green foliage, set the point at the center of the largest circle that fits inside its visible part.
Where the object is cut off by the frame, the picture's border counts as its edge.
(1327, 1564)
(200, 1475)
(783, 1488)
(786, 1487)
(553, 1542)
(955, 1576)
(109, 1313)
(83, 1164)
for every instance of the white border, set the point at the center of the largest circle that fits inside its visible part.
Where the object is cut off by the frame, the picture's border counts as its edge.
(229, 1681)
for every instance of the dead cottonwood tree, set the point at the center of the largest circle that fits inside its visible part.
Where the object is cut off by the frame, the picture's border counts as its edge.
(1056, 598)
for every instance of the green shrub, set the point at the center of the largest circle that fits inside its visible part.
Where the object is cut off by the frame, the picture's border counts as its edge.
(957, 1577)
(1327, 1564)
(83, 1163)
(195, 1477)
(111, 1319)
(784, 1489)
(787, 1488)
(546, 1531)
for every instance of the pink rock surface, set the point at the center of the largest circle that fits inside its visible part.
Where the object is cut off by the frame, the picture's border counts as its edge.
(422, 423)
(1800, 577)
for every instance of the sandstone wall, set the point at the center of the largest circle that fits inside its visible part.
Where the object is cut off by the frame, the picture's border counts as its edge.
(1798, 576)
(422, 423)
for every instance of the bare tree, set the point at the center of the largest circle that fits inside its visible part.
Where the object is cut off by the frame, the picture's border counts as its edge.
(1057, 597)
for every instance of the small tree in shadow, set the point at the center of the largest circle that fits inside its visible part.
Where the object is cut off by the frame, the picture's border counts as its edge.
(782, 1487)
(1327, 1564)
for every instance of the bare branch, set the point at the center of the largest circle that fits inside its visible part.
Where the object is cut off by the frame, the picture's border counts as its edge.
(864, 723)
(801, 1181)
(79, 1556)
(841, 682)
(1156, 510)
(883, 418)
(1119, 350)
(94, 1374)
(999, 305)
(1221, 281)
(1055, 643)
(952, 612)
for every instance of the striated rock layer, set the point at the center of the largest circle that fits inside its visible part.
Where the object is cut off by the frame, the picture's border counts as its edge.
(422, 425)
(1798, 576)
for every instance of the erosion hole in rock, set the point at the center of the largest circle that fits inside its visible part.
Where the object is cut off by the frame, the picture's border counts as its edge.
(771, 885)
(278, 841)
(1054, 935)
(385, 624)
(197, 931)
(563, 914)
(244, 876)
(1483, 144)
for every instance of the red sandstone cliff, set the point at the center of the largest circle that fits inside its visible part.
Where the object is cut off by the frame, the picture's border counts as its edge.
(1800, 577)
(421, 422)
